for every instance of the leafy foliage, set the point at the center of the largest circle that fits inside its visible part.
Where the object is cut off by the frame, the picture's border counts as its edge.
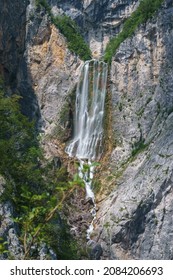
(75, 41)
(43, 3)
(3, 246)
(62, 239)
(138, 147)
(145, 10)
(36, 191)
(70, 30)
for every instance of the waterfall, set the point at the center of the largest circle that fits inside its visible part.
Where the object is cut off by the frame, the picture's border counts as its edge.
(86, 144)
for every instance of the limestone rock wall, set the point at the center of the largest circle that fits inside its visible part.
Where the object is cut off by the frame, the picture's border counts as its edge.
(12, 39)
(135, 220)
(98, 20)
(35, 63)
(13, 66)
(8, 229)
(53, 70)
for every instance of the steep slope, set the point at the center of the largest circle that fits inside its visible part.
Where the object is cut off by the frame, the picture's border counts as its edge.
(98, 20)
(135, 220)
(53, 72)
(13, 66)
(35, 64)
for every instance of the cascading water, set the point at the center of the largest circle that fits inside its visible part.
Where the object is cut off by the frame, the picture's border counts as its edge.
(86, 144)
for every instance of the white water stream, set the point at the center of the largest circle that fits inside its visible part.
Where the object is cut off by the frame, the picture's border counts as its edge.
(86, 144)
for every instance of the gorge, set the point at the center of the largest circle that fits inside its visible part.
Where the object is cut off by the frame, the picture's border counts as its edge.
(132, 187)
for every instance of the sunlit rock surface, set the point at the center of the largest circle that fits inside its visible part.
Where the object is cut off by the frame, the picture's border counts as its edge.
(135, 220)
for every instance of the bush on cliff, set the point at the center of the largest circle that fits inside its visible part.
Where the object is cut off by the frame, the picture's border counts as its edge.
(36, 189)
(70, 30)
(145, 10)
(75, 41)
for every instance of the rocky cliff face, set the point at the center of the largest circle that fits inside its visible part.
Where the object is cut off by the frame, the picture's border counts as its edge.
(53, 73)
(8, 229)
(13, 65)
(12, 39)
(35, 63)
(135, 220)
(98, 20)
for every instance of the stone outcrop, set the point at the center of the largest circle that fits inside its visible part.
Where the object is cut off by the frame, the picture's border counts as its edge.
(54, 71)
(98, 20)
(135, 220)
(13, 66)
(35, 62)
(8, 229)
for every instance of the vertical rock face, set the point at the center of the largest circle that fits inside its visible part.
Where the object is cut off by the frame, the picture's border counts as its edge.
(34, 59)
(53, 69)
(12, 37)
(135, 221)
(13, 66)
(35, 63)
(99, 20)
(8, 229)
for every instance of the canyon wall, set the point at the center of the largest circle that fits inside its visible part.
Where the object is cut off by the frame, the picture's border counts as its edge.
(98, 20)
(134, 217)
(135, 220)
(35, 64)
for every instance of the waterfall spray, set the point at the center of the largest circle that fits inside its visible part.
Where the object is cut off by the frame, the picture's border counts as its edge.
(86, 144)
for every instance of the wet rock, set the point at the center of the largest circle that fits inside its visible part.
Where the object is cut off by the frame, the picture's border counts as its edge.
(57, 162)
(89, 201)
(96, 251)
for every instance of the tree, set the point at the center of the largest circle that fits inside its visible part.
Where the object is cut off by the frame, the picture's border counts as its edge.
(36, 190)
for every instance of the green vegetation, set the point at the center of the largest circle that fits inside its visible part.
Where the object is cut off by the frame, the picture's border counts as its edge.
(107, 225)
(44, 4)
(96, 184)
(36, 188)
(75, 41)
(64, 126)
(3, 246)
(70, 30)
(139, 147)
(145, 10)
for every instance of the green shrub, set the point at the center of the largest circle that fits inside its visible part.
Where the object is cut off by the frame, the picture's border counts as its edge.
(138, 147)
(70, 30)
(37, 192)
(43, 3)
(75, 41)
(145, 10)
